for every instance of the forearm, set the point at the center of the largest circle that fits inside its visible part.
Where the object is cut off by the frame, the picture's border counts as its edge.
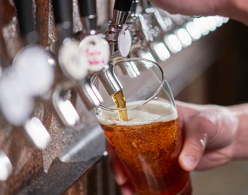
(235, 9)
(241, 140)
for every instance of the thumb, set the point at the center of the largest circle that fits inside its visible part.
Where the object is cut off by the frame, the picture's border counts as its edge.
(195, 142)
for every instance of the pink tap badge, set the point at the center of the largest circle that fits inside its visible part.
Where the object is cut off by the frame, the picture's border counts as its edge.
(95, 52)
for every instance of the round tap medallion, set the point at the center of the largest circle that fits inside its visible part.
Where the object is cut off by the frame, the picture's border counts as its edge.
(34, 69)
(71, 60)
(95, 51)
(16, 105)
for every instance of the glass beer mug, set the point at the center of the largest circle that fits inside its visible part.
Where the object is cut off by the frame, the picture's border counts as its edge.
(149, 142)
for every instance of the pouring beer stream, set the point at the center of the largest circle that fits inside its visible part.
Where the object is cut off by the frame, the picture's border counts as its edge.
(116, 35)
(119, 38)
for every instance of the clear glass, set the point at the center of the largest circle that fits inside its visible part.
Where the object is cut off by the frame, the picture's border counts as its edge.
(149, 143)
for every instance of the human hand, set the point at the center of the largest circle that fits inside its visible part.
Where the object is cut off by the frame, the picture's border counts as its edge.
(209, 133)
(236, 9)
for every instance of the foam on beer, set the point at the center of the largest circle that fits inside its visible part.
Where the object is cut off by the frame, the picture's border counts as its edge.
(154, 111)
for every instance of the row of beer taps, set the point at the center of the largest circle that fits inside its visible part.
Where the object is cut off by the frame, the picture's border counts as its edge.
(38, 75)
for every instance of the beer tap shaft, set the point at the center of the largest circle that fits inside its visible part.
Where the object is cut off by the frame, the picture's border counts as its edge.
(87, 7)
(25, 19)
(88, 15)
(123, 5)
(63, 17)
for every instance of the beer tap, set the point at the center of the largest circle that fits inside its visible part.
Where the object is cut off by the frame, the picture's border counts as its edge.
(158, 27)
(141, 35)
(179, 28)
(74, 63)
(119, 39)
(88, 16)
(30, 75)
(95, 49)
(167, 28)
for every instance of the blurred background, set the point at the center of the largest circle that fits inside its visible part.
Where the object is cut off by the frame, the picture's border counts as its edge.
(212, 70)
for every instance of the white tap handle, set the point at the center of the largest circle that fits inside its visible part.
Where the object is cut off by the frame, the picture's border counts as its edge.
(71, 61)
(33, 66)
(95, 52)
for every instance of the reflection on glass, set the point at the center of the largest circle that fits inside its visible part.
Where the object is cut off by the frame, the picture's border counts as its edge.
(202, 25)
(96, 92)
(184, 37)
(161, 51)
(173, 43)
(37, 133)
(5, 166)
(194, 32)
(132, 69)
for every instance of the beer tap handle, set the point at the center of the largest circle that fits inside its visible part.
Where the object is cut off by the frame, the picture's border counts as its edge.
(17, 108)
(143, 24)
(160, 20)
(88, 14)
(87, 7)
(63, 17)
(76, 61)
(25, 19)
(123, 5)
(121, 11)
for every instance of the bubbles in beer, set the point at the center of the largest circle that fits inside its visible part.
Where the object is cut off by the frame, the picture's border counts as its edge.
(150, 112)
(148, 146)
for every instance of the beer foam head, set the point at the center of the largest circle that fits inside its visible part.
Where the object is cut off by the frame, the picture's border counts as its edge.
(153, 111)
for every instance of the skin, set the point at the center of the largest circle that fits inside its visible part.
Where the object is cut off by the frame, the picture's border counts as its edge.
(214, 135)
(235, 9)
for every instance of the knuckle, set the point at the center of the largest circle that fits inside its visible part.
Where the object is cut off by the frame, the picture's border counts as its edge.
(196, 146)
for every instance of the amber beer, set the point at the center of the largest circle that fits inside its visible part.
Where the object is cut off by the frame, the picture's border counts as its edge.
(148, 145)
(120, 102)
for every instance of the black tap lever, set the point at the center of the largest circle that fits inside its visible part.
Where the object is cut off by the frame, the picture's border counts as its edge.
(123, 5)
(25, 19)
(63, 17)
(88, 16)
(121, 11)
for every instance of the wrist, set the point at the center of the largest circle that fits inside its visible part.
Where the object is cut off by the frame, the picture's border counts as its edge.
(240, 143)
